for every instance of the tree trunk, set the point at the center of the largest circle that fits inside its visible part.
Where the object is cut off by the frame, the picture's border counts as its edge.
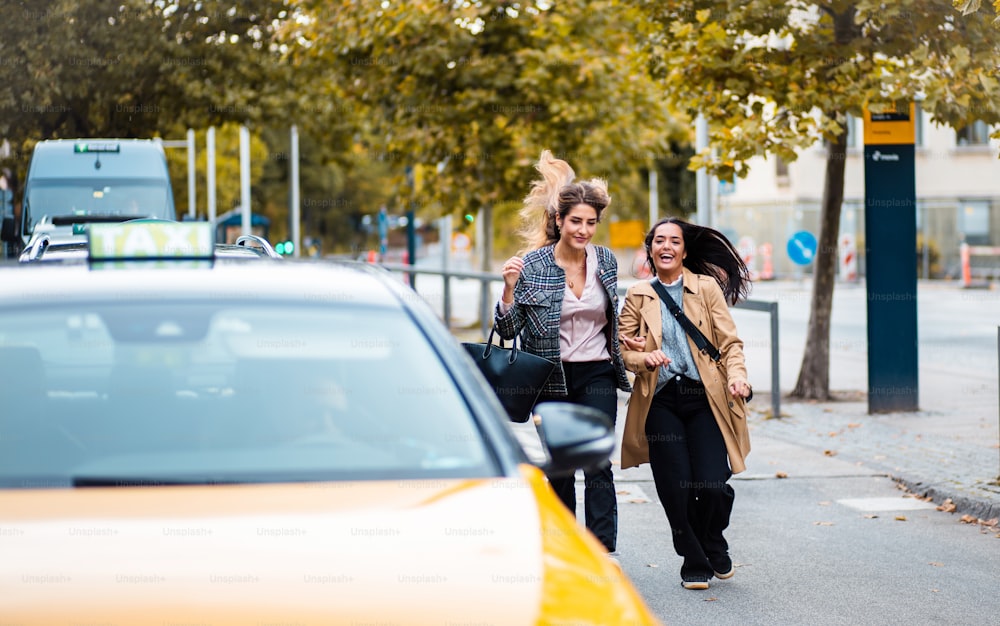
(814, 375)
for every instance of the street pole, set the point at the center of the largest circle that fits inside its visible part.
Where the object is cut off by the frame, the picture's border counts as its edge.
(245, 228)
(191, 174)
(294, 210)
(702, 189)
(654, 195)
(445, 230)
(210, 173)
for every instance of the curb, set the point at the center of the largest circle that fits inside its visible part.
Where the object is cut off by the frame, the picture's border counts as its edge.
(981, 508)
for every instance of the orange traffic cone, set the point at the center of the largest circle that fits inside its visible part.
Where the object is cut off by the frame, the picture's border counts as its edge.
(966, 255)
(767, 269)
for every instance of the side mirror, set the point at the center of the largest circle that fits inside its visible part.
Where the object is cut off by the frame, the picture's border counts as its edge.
(574, 436)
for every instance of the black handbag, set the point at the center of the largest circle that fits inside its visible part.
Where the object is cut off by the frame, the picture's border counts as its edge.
(517, 377)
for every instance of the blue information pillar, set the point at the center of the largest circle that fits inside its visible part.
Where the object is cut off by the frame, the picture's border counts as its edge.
(891, 259)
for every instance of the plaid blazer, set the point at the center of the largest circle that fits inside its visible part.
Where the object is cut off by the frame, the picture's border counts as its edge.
(538, 298)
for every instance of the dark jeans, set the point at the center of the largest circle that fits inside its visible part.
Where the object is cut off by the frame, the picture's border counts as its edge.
(687, 455)
(592, 384)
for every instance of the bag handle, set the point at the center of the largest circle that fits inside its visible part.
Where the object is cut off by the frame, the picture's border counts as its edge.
(490, 344)
(699, 339)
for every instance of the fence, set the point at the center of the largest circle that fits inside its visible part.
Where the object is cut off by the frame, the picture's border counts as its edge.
(486, 307)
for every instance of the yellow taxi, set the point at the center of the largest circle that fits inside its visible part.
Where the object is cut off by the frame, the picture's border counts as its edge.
(206, 441)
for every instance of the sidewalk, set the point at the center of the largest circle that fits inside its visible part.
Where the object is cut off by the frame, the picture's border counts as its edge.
(949, 450)
(944, 455)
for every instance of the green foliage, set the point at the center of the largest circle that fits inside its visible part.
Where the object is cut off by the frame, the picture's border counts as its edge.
(133, 68)
(474, 92)
(772, 76)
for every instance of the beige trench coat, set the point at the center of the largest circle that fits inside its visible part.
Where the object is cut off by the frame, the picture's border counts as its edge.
(706, 307)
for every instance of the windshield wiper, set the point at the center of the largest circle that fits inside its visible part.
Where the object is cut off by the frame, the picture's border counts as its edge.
(149, 481)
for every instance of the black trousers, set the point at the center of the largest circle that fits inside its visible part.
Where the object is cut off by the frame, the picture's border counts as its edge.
(687, 455)
(592, 384)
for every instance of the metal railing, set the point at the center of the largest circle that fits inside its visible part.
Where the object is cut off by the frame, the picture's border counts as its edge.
(486, 310)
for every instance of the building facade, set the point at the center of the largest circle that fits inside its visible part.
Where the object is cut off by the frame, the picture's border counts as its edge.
(958, 200)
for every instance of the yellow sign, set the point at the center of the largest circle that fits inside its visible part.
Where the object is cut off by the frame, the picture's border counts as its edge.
(890, 124)
(627, 233)
(151, 240)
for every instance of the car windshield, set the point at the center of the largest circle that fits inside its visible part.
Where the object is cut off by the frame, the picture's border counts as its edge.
(190, 393)
(129, 198)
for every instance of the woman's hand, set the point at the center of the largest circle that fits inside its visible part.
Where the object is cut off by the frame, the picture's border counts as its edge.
(739, 389)
(636, 344)
(511, 272)
(655, 359)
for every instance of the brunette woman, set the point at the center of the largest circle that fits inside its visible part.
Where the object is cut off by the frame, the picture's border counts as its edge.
(686, 416)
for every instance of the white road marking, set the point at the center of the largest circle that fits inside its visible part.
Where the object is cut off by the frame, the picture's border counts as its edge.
(887, 504)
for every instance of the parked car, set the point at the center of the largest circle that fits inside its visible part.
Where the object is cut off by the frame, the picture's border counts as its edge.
(75, 182)
(272, 442)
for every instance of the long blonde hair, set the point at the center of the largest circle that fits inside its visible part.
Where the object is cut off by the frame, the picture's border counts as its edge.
(554, 195)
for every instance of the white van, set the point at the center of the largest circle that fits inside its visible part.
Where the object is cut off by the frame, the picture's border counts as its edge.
(75, 182)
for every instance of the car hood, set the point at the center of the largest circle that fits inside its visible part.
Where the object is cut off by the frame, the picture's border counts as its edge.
(386, 552)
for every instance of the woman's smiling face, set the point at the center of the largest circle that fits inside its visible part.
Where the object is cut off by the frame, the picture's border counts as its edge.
(578, 226)
(667, 251)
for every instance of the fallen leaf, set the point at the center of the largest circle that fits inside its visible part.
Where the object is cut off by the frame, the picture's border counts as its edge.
(832, 433)
(780, 475)
(830, 452)
(968, 519)
(936, 564)
(710, 599)
(900, 518)
(854, 425)
(947, 506)
(935, 590)
(870, 516)
(637, 501)
(822, 523)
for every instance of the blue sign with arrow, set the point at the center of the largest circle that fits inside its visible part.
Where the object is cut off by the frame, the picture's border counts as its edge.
(802, 248)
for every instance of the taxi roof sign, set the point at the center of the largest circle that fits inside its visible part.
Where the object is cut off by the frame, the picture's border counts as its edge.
(145, 240)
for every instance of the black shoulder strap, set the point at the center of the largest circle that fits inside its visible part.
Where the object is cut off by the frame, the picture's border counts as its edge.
(699, 339)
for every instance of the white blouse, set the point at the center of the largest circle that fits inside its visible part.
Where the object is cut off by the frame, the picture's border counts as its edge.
(582, 320)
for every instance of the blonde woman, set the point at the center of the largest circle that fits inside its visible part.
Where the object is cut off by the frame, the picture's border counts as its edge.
(561, 297)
